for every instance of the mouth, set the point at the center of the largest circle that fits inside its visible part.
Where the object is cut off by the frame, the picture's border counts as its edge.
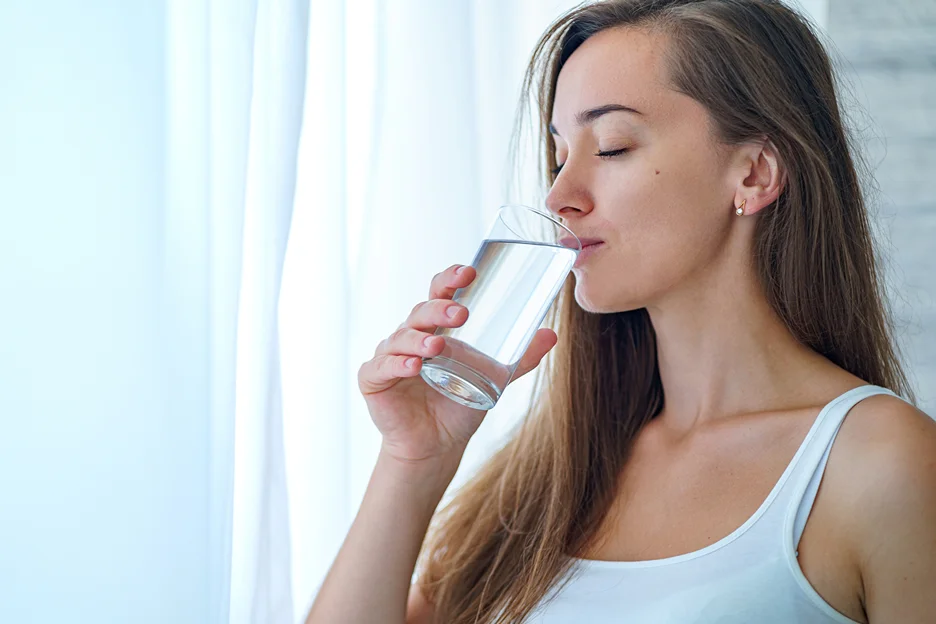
(585, 242)
(587, 251)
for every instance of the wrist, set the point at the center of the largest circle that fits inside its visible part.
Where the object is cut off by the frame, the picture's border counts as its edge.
(432, 472)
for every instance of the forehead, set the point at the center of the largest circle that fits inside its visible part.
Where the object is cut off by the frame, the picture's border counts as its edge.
(619, 65)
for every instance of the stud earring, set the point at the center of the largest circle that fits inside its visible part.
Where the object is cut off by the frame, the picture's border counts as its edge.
(740, 210)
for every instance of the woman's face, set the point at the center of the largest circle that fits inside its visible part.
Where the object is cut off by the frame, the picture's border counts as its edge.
(664, 206)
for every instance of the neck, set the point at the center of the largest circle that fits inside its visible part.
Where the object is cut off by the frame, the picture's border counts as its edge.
(724, 352)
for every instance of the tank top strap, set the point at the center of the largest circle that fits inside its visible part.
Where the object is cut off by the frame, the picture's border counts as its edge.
(803, 484)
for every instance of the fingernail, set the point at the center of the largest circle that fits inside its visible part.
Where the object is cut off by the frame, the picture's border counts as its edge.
(459, 270)
(452, 311)
(427, 341)
(410, 362)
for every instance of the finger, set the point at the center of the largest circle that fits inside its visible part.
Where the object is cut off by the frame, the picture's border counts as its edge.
(409, 341)
(380, 373)
(444, 285)
(543, 340)
(429, 315)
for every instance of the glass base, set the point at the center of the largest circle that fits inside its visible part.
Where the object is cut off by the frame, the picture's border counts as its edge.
(460, 383)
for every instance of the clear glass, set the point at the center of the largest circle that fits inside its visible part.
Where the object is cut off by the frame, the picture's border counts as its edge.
(521, 266)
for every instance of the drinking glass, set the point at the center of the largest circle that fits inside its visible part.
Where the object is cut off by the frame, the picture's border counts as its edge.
(521, 266)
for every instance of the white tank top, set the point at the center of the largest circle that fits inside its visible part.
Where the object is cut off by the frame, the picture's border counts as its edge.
(749, 576)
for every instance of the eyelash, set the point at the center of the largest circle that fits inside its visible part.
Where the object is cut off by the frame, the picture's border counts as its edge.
(610, 154)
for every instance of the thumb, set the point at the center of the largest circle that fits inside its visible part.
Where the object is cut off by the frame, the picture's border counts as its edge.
(543, 340)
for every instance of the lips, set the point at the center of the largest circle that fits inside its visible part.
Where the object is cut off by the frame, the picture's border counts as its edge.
(587, 252)
(586, 242)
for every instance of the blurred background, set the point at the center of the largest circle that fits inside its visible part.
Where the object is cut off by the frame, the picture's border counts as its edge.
(213, 210)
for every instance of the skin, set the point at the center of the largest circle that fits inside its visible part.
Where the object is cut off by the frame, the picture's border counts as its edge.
(674, 245)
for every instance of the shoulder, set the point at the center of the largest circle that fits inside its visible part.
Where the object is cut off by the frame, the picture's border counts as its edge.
(888, 505)
(885, 426)
(889, 451)
(892, 438)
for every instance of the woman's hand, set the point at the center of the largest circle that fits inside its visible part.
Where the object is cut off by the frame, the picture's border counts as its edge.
(419, 425)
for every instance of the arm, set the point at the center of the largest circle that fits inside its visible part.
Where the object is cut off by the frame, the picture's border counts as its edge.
(895, 531)
(370, 578)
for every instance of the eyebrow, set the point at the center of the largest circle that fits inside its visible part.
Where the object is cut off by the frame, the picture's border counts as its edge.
(589, 116)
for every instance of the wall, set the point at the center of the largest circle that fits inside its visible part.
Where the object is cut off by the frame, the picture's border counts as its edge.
(102, 512)
(889, 53)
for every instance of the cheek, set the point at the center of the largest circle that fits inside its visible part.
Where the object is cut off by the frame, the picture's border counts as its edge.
(647, 198)
(686, 231)
(686, 193)
(633, 191)
(666, 229)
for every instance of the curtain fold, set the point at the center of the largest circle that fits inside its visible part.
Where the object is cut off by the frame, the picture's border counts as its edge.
(235, 90)
(260, 581)
(209, 88)
(314, 307)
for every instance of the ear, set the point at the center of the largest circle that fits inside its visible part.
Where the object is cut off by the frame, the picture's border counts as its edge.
(761, 176)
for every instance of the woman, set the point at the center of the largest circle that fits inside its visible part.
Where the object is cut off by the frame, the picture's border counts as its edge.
(688, 457)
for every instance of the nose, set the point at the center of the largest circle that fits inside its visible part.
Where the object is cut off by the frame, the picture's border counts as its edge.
(566, 199)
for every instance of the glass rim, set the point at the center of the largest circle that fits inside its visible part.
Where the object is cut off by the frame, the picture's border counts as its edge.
(547, 216)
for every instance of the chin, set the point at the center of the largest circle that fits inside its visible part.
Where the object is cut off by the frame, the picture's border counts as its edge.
(598, 302)
(598, 299)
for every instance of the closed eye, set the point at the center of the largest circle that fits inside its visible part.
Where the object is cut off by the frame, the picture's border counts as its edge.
(608, 154)
(616, 152)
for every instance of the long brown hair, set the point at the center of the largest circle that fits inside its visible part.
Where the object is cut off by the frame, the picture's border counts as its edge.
(495, 551)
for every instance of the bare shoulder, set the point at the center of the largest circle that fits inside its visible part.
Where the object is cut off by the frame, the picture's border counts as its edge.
(888, 513)
(889, 449)
(882, 421)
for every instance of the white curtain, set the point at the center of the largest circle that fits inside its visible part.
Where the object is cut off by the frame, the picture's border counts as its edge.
(236, 81)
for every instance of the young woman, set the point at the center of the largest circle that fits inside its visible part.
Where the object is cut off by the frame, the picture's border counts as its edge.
(719, 433)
